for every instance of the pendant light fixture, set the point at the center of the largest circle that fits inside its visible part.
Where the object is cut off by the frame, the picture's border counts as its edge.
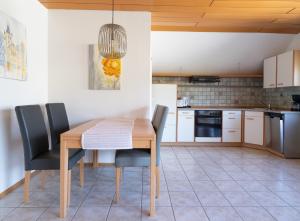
(112, 39)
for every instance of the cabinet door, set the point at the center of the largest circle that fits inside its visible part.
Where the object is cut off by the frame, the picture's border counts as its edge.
(285, 69)
(231, 135)
(186, 121)
(169, 134)
(270, 72)
(254, 127)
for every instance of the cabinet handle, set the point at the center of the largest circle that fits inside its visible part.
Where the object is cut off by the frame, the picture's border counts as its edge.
(188, 117)
(231, 118)
(280, 84)
(231, 113)
(271, 84)
(231, 131)
(249, 118)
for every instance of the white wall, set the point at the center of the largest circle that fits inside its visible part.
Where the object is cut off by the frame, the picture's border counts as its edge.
(70, 33)
(295, 43)
(13, 92)
(215, 53)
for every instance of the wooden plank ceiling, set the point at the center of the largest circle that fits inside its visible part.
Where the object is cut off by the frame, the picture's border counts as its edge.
(271, 16)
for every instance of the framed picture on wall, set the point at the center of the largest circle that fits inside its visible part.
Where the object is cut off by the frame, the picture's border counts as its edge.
(13, 53)
(104, 74)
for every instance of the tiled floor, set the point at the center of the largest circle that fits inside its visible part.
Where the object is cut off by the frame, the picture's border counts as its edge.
(196, 184)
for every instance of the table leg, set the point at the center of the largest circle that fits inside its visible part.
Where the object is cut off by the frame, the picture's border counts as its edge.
(95, 158)
(63, 178)
(153, 178)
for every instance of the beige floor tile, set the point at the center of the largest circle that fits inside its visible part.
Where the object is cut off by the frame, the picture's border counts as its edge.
(24, 214)
(222, 214)
(98, 199)
(129, 199)
(240, 199)
(267, 199)
(5, 211)
(91, 213)
(190, 214)
(184, 199)
(179, 186)
(161, 214)
(127, 213)
(254, 213)
(204, 186)
(253, 186)
(52, 214)
(292, 198)
(212, 199)
(228, 186)
(284, 213)
(163, 200)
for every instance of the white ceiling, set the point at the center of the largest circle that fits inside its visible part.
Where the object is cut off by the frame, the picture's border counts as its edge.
(214, 53)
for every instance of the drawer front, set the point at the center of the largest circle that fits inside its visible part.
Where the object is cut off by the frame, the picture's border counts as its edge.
(231, 135)
(254, 114)
(232, 113)
(186, 113)
(232, 122)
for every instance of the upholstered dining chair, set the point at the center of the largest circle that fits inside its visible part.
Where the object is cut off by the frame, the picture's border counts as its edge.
(141, 157)
(37, 154)
(59, 123)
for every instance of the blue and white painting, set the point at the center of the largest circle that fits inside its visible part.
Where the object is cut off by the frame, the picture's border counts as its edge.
(13, 55)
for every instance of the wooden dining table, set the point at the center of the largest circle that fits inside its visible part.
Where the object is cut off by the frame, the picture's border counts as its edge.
(143, 136)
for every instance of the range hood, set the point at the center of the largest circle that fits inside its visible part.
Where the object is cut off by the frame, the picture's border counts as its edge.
(204, 79)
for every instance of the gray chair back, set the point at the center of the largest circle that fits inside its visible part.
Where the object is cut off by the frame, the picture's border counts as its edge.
(33, 131)
(158, 122)
(58, 122)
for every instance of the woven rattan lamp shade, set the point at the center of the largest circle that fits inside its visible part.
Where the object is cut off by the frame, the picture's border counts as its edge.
(112, 41)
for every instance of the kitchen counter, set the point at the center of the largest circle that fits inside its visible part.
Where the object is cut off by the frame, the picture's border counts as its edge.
(259, 109)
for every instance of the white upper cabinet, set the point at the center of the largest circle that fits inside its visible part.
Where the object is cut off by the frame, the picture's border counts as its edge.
(270, 72)
(166, 94)
(285, 69)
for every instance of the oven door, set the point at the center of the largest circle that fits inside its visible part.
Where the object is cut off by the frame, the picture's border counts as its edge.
(208, 126)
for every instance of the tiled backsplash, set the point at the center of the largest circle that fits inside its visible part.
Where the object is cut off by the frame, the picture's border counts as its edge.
(280, 97)
(230, 92)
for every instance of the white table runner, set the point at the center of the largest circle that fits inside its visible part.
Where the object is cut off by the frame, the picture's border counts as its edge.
(114, 133)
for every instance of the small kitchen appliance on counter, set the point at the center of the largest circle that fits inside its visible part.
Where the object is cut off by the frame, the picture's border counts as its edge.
(183, 102)
(296, 102)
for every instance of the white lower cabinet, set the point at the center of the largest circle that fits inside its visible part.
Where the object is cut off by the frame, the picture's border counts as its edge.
(231, 131)
(169, 134)
(254, 127)
(186, 125)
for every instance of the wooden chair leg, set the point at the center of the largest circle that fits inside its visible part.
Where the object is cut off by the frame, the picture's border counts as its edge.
(95, 158)
(118, 175)
(157, 182)
(69, 188)
(81, 171)
(27, 186)
(43, 175)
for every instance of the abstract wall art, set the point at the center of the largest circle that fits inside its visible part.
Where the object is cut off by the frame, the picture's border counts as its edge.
(104, 73)
(13, 54)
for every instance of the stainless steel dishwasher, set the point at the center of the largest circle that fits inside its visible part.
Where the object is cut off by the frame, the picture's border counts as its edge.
(274, 131)
(282, 133)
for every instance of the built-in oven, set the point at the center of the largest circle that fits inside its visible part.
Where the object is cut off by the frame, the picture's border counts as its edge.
(208, 126)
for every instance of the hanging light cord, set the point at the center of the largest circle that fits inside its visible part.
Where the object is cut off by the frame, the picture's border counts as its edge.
(112, 18)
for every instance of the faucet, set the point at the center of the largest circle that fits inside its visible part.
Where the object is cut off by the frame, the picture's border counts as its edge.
(268, 106)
